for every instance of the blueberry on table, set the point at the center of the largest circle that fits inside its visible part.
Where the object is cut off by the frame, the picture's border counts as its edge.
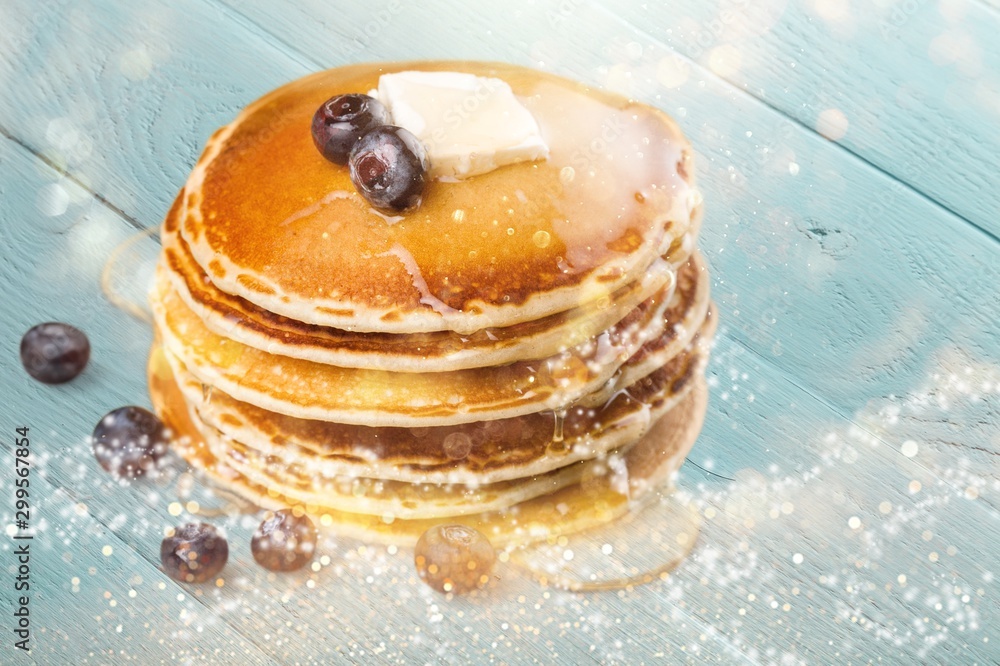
(389, 167)
(340, 121)
(284, 541)
(454, 558)
(128, 441)
(54, 352)
(193, 553)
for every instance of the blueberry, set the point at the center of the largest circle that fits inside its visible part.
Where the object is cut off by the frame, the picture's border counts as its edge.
(193, 553)
(128, 441)
(284, 541)
(388, 166)
(454, 558)
(340, 121)
(54, 353)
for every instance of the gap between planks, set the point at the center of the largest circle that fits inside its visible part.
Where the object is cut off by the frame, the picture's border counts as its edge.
(71, 177)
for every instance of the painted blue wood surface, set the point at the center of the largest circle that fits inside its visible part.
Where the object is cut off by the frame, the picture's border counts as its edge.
(915, 82)
(857, 287)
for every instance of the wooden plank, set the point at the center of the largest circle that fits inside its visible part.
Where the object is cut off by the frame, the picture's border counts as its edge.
(124, 96)
(870, 548)
(909, 86)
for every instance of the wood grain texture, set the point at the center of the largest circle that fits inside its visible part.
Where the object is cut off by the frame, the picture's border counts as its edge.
(858, 316)
(123, 95)
(915, 83)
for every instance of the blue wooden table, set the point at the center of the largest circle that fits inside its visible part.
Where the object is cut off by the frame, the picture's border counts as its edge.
(848, 475)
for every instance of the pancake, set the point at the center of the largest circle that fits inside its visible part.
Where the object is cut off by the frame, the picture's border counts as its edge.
(374, 397)
(380, 497)
(438, 351)
(523, 352)
(274, 223)
(656, 353)
(477, 453)
(594, 501)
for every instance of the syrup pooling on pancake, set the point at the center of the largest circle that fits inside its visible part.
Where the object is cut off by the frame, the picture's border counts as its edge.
(610, 199)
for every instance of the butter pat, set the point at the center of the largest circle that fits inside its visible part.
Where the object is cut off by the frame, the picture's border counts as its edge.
(469, 124)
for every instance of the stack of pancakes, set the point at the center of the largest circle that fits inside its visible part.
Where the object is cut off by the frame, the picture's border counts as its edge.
(522, 353)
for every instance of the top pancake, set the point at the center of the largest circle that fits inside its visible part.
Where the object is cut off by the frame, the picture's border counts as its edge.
(433, 351)
(275, 223)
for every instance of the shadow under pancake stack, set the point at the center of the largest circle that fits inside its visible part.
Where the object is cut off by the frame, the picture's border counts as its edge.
(522, 353)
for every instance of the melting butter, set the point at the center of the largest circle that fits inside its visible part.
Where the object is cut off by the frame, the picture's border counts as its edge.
(469, 124)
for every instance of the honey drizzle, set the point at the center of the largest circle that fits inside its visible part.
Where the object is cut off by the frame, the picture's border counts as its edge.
(560, 420)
